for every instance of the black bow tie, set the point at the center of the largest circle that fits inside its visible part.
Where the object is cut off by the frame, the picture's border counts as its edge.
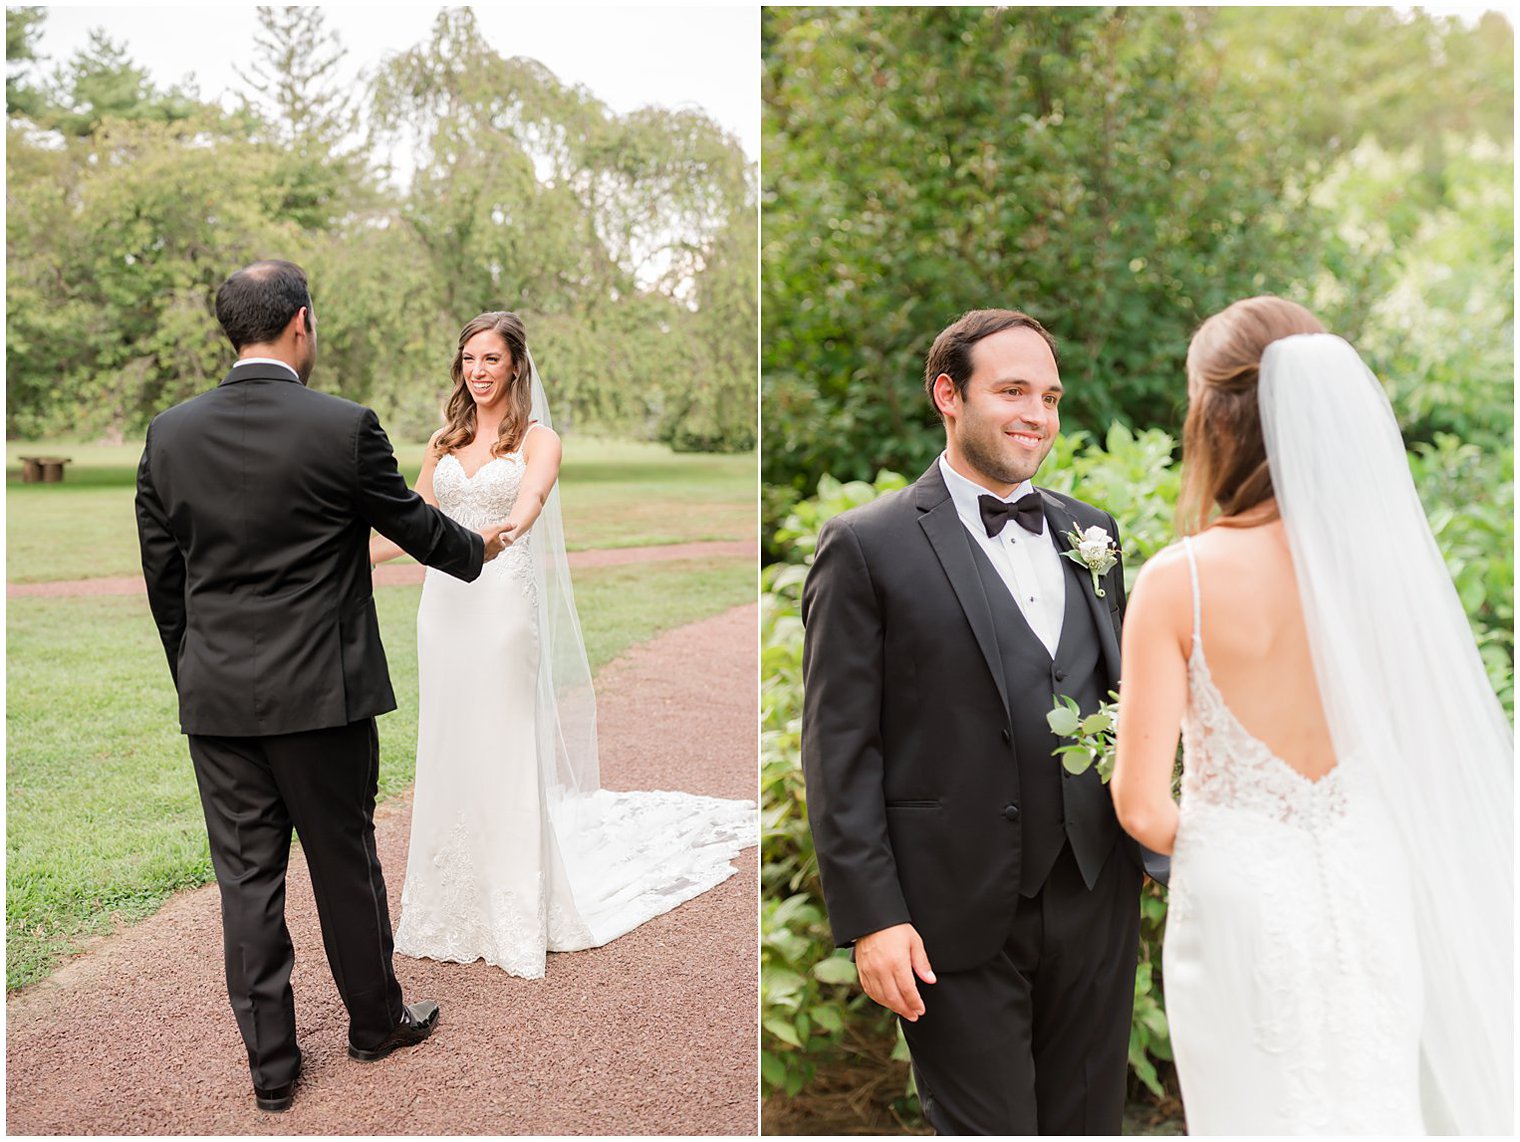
(1028, 510)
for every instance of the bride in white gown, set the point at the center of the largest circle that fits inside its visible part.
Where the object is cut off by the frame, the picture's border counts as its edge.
(1338, 955)
(515, 851)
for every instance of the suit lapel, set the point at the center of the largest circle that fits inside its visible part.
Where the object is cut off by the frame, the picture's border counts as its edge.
(1060, 521)
(947, 535)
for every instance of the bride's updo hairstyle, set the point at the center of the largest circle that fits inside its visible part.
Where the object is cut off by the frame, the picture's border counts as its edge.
(459, 412)
(1224, 456)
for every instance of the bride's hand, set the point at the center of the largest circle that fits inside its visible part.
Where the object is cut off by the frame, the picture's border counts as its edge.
(497, 540)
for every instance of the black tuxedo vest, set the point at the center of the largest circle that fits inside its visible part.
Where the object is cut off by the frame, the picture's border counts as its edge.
(1033, 679)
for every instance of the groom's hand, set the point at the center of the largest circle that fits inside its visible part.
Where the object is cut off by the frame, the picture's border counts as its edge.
(497, 539)
(887, 961)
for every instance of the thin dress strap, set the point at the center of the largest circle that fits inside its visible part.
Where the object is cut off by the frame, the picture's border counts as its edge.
(1187, 546)
(521, 444)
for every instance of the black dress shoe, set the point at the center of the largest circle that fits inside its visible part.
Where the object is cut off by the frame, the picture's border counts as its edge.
(277, 1098)
(417, 1024)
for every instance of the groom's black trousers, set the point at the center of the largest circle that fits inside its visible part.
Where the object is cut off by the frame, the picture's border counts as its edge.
(323, 783)
(1036, 1040)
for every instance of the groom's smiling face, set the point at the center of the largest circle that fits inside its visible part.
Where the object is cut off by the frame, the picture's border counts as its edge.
(1005, 422)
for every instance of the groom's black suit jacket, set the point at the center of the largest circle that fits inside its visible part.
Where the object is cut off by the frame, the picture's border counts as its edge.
(254, 505)
(926, 770)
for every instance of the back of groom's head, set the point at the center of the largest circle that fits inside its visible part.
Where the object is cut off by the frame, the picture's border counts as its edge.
(951, 352)
(255, 304)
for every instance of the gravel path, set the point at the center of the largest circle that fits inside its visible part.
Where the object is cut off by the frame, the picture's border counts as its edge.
(653, 1034)
(392, 574)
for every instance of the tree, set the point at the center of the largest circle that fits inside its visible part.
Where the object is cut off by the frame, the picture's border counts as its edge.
(22, 27)
(599, 230)
(308, 114)
(101, 82)
(110, 283)
(626, 242)
(1084, 165)
(1333, 77)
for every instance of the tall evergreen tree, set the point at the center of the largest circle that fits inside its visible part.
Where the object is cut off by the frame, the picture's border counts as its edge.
(23, 26)
(298, 92)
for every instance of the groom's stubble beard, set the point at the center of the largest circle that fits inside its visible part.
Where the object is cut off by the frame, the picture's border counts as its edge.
(985, 448)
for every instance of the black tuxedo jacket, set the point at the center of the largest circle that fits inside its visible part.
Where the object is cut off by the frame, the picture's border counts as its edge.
(908, 746)
(254, 505)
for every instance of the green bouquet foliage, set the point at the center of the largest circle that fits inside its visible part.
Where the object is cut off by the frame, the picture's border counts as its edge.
(1092, 737)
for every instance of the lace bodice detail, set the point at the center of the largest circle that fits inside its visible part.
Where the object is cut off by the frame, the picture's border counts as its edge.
(484, 500)
(481, 500)
(1225, 765)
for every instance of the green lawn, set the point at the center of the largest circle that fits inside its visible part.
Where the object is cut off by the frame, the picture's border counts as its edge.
(616, 494)
(103, 823)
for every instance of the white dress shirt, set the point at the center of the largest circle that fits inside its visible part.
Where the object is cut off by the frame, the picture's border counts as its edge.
(1028, 564)
(268, 361)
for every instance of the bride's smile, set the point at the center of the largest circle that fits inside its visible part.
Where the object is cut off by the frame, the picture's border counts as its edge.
(487, 365)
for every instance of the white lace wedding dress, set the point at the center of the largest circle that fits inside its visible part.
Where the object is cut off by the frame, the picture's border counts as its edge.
(1290, 962)
(502, 866)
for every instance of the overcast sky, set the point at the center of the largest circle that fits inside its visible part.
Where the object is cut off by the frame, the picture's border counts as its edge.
(628, 56)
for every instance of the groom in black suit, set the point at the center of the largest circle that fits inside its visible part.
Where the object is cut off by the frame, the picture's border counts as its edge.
(254, 507)
(991, 897)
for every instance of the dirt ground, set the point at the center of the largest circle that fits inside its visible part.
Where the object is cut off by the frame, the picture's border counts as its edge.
(653, 1034)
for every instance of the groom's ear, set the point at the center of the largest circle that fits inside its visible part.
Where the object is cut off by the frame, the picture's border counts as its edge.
(945, 395)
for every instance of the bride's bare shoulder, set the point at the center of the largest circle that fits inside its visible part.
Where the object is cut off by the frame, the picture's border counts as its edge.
(539, 432)
(1164, 578)
(1166, 563)
(541, 446)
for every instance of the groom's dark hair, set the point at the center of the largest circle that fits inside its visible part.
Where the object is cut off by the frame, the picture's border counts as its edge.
(951, 352)
(255, 304)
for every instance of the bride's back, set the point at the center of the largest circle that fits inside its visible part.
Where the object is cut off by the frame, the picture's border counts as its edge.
(1257, 646)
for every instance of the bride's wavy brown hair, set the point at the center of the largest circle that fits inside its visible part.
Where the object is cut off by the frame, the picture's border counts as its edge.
(1224, 455)
(459, 411)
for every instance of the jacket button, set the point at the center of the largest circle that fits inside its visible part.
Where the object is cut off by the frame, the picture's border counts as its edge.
(1060, 676)
(1011, 812)
(1006, 738)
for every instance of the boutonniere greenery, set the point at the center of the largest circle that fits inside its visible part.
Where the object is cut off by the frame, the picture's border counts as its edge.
(1094, 549)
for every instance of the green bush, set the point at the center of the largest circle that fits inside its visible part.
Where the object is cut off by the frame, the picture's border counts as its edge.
(807, 988)
(1469, 498)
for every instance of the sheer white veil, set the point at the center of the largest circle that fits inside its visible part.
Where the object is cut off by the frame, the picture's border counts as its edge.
(1410, 708)
(566, 703)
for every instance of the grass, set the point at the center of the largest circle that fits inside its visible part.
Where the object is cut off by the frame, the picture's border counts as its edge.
(616, 494)
(103, 821)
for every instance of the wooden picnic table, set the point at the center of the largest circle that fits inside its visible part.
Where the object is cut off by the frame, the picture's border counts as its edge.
(43, 469)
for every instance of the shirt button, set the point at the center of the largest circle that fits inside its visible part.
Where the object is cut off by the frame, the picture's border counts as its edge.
(1011, 812)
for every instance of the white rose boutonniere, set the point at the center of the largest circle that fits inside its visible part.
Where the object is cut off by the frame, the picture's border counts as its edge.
(1094, 549)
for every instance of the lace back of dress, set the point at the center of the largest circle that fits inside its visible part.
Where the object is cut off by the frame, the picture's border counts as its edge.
(1225, 764)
